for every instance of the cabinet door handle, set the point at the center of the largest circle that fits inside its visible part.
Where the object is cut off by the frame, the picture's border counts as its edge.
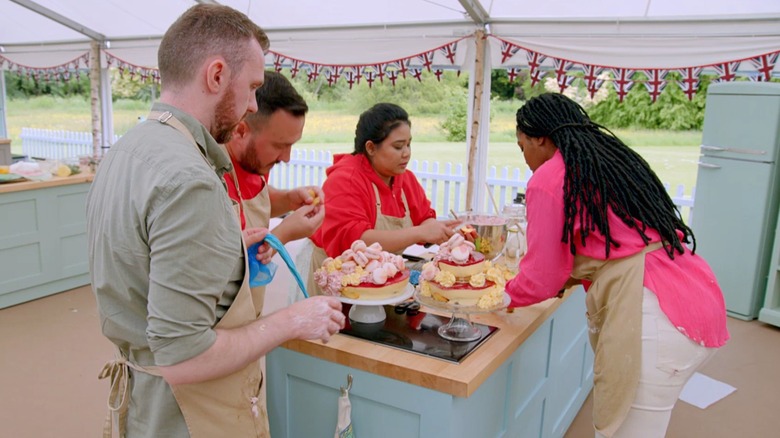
(705, 147)
(708, 165)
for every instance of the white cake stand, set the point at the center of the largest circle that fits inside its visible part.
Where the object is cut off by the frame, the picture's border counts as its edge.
(373, 311)
(460, 329)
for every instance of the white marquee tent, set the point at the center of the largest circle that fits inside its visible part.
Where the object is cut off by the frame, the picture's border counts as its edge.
(349, 40)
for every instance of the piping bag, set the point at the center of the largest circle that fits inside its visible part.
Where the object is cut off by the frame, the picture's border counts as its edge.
(260, 274)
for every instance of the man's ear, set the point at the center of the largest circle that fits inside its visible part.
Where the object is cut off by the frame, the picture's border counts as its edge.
(241, 130)
(217, 73)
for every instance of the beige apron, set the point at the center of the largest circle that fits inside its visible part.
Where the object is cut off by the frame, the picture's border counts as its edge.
(382, 223)
(614, 305)
(229, 406)
(257, 214)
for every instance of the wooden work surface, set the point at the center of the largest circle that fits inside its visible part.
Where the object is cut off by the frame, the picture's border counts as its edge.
(53, 182)
(461, 379)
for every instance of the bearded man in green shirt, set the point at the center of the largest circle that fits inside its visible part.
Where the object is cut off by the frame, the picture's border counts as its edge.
(167, 262)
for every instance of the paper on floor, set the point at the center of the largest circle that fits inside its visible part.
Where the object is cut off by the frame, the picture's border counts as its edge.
(702, 391)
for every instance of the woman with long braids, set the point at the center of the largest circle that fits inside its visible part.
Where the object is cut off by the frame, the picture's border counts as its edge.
(598, 215)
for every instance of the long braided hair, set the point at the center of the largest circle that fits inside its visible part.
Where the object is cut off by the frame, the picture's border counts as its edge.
(601, 172)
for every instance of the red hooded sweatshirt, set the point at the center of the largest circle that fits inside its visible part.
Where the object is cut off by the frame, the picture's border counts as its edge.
(350, 203)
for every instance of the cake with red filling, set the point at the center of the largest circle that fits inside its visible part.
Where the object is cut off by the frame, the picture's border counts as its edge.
(460, 275)
(363, 272)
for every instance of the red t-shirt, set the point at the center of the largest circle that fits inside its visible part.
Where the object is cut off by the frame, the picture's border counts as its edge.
(251, 185)
(350, 202)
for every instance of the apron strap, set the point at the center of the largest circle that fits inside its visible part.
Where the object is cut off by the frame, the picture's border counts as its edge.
(118, 371)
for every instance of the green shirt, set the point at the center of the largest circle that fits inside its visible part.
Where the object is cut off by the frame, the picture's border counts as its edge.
(165, 256)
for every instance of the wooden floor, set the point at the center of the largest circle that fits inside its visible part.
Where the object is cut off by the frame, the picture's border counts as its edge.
(51, 352)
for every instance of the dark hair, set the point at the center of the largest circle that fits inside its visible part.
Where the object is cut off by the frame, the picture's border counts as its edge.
(202, 31)
(376, 123)
(277, 93)
(602, 171)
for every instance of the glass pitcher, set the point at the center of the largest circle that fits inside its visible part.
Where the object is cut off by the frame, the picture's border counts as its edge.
(515, 247)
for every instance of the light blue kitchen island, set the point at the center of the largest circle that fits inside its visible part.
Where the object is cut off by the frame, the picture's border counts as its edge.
(43, 238)
(528, 380)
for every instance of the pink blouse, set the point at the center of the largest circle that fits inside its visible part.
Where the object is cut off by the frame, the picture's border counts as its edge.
(687, 290)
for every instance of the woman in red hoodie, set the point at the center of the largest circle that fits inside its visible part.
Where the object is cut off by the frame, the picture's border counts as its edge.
(372, 196)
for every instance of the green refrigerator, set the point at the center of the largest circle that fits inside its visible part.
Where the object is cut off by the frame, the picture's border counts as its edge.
(738, 190)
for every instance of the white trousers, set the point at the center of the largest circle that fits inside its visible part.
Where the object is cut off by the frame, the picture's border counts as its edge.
(669, 359)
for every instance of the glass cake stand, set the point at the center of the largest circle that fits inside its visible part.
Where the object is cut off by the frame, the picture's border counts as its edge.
(373, 311)
(459, 329)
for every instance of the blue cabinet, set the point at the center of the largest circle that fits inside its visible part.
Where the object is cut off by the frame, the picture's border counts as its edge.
(537, 392)
(43, 243)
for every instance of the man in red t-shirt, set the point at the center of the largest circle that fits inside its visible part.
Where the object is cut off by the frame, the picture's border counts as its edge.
(260, 141)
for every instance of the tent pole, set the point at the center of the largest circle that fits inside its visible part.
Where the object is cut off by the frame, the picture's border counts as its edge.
(3, 106)
(479, 90)
(106, 109)
(94, 86)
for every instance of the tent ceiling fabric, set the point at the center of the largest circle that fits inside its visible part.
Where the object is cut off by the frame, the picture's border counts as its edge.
(618, 33)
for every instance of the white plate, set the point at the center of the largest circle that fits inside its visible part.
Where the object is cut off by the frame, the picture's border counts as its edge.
(408, 292)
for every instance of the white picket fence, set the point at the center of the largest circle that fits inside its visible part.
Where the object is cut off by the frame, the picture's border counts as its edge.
(445, 183)
(56, 144)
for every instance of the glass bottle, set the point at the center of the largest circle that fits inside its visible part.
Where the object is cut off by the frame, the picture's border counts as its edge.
(515, 247)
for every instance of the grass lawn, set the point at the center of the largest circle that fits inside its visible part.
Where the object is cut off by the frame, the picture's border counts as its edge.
(672, 154)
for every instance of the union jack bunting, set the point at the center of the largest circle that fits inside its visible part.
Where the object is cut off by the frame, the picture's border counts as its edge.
(765, 64)
(426, 59)
(726, 71)
(592, 81)
(380, 72)
(534, 61)
(392, 75)
(369, 75)
(512, 73)
(622, 83)
(416, 73)
(278, 62)
(296, 67)
(508, 50)
(333, 73)
(404, 67)
(314, 71)
(562, 67)
(350, 74)
(690, 81)
(564, 82)
(656, 82)
(438, 72)
(449, 51)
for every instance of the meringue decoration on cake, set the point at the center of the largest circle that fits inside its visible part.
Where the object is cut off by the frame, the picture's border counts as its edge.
(363, 272)
(458, 274)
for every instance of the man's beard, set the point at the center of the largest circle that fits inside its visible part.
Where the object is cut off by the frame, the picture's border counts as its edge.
(250, 162)
(223, 121)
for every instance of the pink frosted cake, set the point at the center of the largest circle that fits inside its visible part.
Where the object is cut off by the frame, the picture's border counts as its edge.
(458, 274)
(363, 273)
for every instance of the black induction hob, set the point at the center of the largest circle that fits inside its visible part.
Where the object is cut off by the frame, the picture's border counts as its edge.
(416, 332)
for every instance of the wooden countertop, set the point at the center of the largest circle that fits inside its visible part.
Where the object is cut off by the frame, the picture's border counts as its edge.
(53, 182)
(461, 379)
